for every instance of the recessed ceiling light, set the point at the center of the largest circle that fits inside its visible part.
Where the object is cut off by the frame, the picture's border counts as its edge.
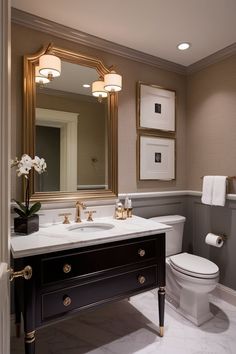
(183, 46)
(86, 85)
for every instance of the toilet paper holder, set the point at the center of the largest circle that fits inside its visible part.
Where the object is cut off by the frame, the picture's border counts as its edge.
(223, 237)
(216, 240)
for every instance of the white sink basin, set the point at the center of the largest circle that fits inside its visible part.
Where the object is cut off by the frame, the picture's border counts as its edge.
(90, 227)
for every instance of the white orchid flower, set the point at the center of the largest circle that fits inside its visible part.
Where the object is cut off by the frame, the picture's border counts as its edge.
(39, 164)
(43, 164)
(24, 165)
(22, 171)
(26, 162)
(14, 162)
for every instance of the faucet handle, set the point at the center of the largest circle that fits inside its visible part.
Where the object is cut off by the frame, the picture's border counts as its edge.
(90, 214)
(66, 218)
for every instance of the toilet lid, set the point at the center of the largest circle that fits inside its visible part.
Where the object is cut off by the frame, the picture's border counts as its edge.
(194, 265)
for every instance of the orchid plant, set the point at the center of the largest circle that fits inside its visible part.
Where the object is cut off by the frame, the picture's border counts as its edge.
(24, 167)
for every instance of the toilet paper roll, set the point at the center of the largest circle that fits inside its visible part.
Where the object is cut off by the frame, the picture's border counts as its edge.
(214, 240)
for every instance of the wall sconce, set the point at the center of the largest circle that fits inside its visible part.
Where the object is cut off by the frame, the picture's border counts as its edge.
(40, 79)
(49, 66)
(98, 90)
(112, 82)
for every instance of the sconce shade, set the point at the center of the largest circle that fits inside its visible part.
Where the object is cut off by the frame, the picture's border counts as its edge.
(49, 66)
(98, 89)
(39, 79)
(113, 82)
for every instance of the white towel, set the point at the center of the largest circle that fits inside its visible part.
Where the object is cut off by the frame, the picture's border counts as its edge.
(219, 190)
(207, 189)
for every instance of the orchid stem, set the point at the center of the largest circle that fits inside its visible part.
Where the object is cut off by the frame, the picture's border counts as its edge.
(27, 197)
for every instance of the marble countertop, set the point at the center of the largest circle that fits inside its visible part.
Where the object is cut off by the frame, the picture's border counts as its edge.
(59, 237)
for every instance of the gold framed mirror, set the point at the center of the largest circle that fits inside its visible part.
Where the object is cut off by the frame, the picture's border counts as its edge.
(73, 183)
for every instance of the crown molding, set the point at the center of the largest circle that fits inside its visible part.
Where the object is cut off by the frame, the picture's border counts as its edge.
(41, 24)
(212, 59)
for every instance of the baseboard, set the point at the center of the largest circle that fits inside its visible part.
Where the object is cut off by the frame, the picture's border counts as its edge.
(222, 292)
(225, 293)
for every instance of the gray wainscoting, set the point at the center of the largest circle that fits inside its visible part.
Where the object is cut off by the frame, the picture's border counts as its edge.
(201, 219)
(156, 206)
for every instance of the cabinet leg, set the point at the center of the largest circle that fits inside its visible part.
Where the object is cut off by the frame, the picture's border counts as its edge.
(18, 329)
(17, 319)
(30, 342)
(17, 305)
(161, 305)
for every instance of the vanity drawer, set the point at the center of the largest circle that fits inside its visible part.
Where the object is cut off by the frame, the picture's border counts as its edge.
(99, 291)
(94, 261)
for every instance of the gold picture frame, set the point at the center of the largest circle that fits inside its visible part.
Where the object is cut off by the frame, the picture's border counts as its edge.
(156, 108)
(156, 157)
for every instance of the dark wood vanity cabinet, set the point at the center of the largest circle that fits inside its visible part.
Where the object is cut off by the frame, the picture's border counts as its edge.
(66, 282)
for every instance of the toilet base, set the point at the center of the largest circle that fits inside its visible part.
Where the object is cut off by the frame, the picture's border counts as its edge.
(194, 306)
(188, 302)
(198, 321)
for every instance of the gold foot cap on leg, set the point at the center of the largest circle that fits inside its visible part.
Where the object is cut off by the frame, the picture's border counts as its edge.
(161, 331)
(17, 330)
(29, 337)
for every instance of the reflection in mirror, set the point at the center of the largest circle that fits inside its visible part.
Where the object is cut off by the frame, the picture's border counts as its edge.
(75, 133)
(71, 132)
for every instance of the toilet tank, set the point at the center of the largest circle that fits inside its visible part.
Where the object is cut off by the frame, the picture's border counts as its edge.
(174, 237)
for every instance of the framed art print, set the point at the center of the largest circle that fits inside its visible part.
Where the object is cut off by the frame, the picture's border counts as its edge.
(156, 158)
(156, 108)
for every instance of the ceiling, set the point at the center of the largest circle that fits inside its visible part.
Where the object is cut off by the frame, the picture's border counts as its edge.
(152, 26)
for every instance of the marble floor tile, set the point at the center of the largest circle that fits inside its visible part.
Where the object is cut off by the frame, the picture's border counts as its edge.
(131, 327)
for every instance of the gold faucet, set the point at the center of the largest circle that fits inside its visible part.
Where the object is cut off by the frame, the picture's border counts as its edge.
(79, 206)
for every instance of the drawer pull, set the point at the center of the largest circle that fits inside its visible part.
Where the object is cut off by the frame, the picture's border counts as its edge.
(141, 252)
(141, 279)
(67, 301)
(66, 268)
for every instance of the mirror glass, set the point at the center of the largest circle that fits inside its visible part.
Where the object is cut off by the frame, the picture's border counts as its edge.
(74, 132)
(71, 132)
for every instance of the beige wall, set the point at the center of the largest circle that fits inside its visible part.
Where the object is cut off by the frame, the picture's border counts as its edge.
(26, 41)
(211, 123)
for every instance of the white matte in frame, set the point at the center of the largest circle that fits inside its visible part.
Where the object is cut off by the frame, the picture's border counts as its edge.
(157, 158)
(150, 116)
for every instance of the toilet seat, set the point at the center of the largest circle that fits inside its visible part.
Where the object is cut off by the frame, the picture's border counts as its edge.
(194, 266)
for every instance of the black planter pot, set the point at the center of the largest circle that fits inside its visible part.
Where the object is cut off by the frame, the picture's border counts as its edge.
(26, 225)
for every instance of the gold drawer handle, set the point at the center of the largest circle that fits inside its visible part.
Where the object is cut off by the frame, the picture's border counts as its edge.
(141, 279)
(141, 252)
(66, 268)
(67, 301)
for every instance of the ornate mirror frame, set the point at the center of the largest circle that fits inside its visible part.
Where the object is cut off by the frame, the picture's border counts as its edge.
(30, 61)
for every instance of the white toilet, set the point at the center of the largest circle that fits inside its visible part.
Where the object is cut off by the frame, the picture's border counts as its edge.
(189, 278)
